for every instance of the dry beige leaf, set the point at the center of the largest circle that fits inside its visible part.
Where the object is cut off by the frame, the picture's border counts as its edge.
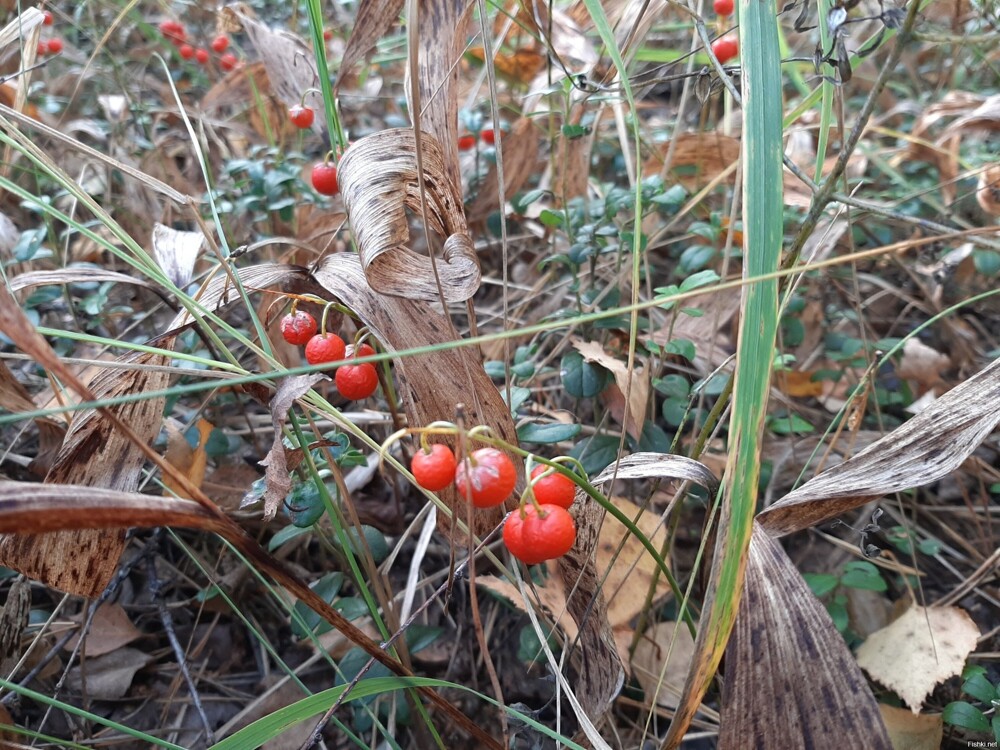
(909, 732)
(571, 171)
(923, 365)
(14, 619)
(551, 597)
(72, 275)
(9, 235)
(699, 158)
(278, 481)
(108, 677)
(662, 659)
(177, 252)
(378, 179)
(785, 660)
(96, 454)
(373, 20)
(289, 61)
(635, 417)
(929, 446)
(921, 649)
(110, 629)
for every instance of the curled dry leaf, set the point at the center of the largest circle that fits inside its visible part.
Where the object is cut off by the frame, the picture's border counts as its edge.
(276, 476)
(784, 659)
(177, 252)
(73, 275)
(373, 20)
(921, 649)
(378, 179)
(923, 450)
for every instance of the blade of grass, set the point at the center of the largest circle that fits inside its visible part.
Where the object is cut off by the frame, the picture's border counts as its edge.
(762, 221)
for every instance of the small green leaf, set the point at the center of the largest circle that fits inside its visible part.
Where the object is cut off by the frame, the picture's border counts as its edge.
(580, 378)
(792, 424)
(699, 279)
(860, 574)
(980, 688)
(673, 386)
(533, 432)
(964, 714)
(551, 218)
(596, 453)
(326, 588)
(682, 347)
(304, 505)
(821, 584)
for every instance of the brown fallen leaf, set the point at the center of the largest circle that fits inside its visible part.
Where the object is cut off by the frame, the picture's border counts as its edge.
(909, 732)
(110, 629)
(921, 649)
(635, 416)
(108, 677)
(190, 461)
(662, 659)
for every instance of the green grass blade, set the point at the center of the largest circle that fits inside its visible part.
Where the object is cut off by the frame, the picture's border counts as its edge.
(762, 220)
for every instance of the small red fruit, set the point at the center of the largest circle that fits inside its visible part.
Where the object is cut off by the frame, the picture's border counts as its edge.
(186, 51)
(47, 19)
(41, 50)
(553, 490)
(357, 382)
(55, 45)
(327, 34)
(486, 478)
(325, 347)
(298, 327)
(221, 43)
(489, 136)
(723, 7)
(174, 32)
(434, 469)
(201, 55)
(228, 61)
(466, 142)
(301, 117)
(535, 535)
(324, 178)
(725, 48)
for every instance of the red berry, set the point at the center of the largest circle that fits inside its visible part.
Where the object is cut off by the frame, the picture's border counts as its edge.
(301, 117)
(327, 34)
(556, 489)
(221, 43)
(360, 351)
(723, 7)
(357, 382)
(489, 136)
(298, 327)
(324, 178)
(186, 51)
(55, 45)
(434, 469)
(486, 478)
(41, 50)
(174, 32)
(466, 142)
(47, 19)
(534, 535)
(725, 48)
(228, 61)
(325, 347)
(201, 55)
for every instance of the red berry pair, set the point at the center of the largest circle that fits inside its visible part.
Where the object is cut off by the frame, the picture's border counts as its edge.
(486, 478)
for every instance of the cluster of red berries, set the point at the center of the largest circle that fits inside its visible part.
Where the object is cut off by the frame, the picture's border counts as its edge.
(54, 45)
(176, 34)
(537, 531)
(354, 381)
(727, 47)
(468, 141)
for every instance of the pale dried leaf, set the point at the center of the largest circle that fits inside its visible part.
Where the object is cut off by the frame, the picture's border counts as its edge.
(909, 732)
(190, 461)
(220, 291)
(634, 25)
(73, 275)
(646, 465)
(922, 364)
(108, 677)
(177, 252)
(96, 454)
(921, 649)
(635, 416)
(14, 618)
(661, 663)
(277, 478)
(926, 448)
(699, 158)
(288, 60)
(988, 190)
(441, 28)
(378, 179)
(110, 629)
(552, 597)
(373, 20)
(9, 235)
(785, 659)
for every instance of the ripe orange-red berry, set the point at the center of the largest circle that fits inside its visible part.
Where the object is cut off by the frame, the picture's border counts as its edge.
(324, 178)
(534, 535)
(486, 478)
(725, 48)
(201, 55)
(325, 347)
(221, 43)
(186, 51)
(228, 61)
(434, 469)
(723, 7)
(55, 45)
(301, 117)
(466, 142)
(298, 327)
(47, 19)
(555, 489)
(357, 382)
